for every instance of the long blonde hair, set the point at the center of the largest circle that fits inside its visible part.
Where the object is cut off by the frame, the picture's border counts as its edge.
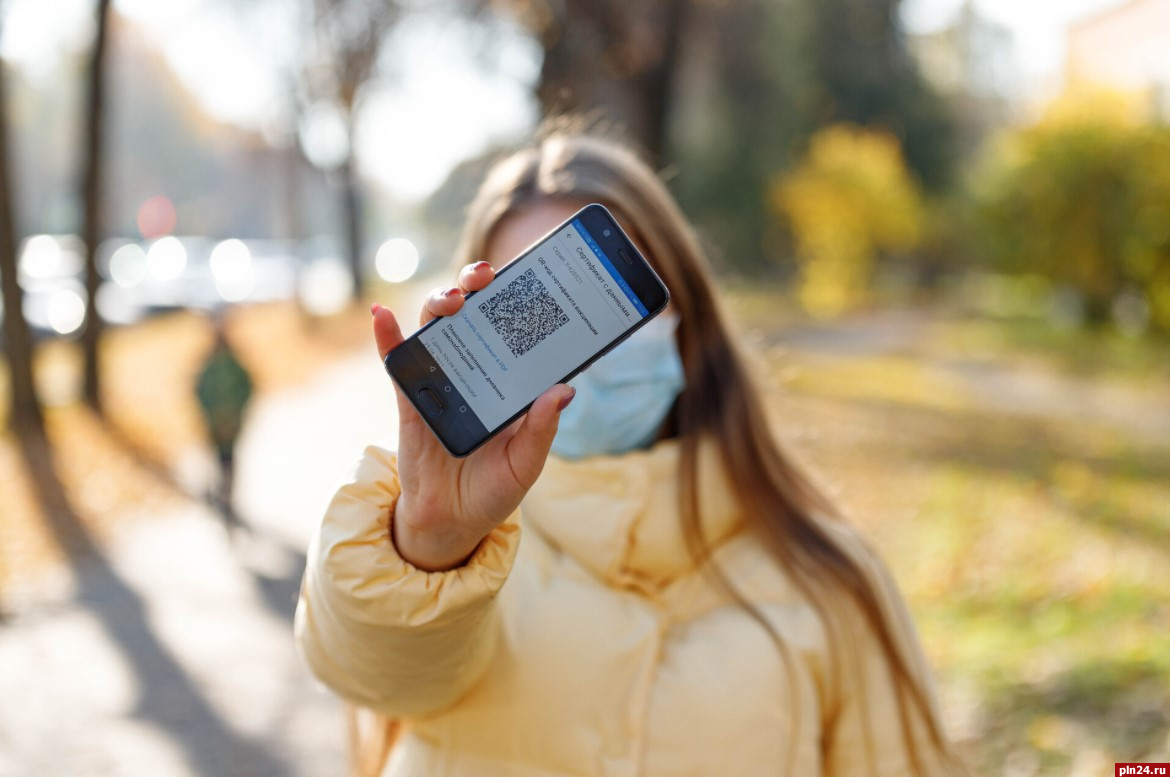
(720, 403)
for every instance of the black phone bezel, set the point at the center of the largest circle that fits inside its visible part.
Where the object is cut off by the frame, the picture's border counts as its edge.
(411, 358)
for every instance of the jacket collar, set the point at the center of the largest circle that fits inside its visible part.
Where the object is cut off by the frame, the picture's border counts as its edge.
(619, 516)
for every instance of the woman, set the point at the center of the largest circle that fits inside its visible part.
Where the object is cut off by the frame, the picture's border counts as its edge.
(684, 601)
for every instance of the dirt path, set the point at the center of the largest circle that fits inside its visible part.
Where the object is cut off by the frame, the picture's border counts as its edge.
(986, 382)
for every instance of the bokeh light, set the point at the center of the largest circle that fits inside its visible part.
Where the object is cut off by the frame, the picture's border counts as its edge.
(231, 266)
(116, 304)
(157, 217)
(66, 312)
(231, 260)
(325, 286)
(128, 265)
(44, 257)
(323, 136)
(397, 260)
(166, 259)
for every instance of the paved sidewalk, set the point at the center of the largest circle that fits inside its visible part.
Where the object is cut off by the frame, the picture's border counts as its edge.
(173, 656)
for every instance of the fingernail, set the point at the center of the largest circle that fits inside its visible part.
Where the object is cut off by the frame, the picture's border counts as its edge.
(480, 265)
(565, 400)
(374, 309)
(449, 293)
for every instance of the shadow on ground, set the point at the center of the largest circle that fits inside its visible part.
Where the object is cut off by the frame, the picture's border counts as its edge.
(168, 698)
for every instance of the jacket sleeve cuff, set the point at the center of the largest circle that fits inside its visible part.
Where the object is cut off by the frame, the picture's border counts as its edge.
(377, 629)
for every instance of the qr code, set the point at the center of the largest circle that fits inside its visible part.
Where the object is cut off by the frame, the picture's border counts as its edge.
(523, 313)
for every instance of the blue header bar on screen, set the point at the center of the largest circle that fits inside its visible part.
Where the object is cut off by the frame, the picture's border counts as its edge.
(617, 276)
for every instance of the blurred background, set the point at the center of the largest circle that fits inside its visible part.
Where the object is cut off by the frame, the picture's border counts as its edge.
(943, 226)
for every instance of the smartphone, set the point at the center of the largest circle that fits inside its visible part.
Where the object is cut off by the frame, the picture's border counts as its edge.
(548, 314)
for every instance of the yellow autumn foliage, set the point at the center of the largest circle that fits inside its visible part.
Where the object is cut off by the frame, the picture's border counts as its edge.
(850, 199)
(1082, 198)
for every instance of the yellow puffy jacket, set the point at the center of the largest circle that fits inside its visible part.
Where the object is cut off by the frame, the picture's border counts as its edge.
(595, 647)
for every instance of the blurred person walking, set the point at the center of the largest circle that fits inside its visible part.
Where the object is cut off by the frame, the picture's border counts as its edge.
(685, 601)
(223, 389)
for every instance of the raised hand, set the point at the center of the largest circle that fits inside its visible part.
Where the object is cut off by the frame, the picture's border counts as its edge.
(449, 505)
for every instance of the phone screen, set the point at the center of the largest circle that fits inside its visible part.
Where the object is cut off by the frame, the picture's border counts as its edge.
(545, 316)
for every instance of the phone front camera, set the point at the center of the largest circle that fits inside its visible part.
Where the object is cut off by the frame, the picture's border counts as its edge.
(606, 233)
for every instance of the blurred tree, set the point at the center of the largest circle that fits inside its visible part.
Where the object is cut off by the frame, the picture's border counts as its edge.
(93, 225)
(1082, 198)
(970, 64)
(347, 40)
(851, 198)
(224, 181)
(298, 181)
(760, 78)
(742, 110)
(616, 59)
(862, 72)
(25, 415)
(447, 205)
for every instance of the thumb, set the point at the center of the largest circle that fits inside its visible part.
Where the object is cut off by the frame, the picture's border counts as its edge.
(388, 336)
(528, 449)
(387, 332)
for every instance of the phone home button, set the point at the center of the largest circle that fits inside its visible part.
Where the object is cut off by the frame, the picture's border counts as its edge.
(429, 402)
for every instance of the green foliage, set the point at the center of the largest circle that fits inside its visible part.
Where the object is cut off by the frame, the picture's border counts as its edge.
(742, 122)
(851, 198)
(1083, 198)
(774, 72)
(861, 72)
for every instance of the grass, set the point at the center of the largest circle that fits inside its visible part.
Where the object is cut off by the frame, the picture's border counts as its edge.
(1033, 545)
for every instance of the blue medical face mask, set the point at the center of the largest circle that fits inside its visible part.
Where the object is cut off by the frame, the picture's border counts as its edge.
(623, 398)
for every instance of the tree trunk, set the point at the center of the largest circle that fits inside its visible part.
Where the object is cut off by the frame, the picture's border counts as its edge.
(292, 227)
(657, 83)
(352, 214)
(25, 416)
(91, 231)
(616, 60)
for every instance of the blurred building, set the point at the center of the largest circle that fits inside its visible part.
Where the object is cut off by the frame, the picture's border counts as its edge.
(972, 55)
(972, 63)
(1125, 49)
